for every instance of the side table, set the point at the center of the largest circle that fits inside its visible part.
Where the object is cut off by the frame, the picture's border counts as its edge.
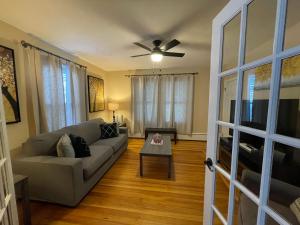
(21, 185)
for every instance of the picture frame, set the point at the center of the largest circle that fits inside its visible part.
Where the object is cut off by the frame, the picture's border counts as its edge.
(9, 87)
(95, 94)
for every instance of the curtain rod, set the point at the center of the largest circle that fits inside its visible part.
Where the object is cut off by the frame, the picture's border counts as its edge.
(26, 44)
(160, 74)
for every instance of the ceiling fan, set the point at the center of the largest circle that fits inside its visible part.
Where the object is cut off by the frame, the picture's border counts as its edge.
(158, 51)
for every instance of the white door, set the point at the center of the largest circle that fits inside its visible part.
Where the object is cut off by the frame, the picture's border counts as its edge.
(8, 208)
(253, 148)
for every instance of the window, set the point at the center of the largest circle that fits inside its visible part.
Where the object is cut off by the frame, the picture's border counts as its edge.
(162, 101)
(251, 84)
(63, 106)
(65, 77)
(67, 94)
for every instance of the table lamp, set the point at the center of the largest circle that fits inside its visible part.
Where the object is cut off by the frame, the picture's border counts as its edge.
(113, 106)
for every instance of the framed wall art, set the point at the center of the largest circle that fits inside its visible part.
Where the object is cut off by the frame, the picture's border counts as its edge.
(96, 94)
(9, 85)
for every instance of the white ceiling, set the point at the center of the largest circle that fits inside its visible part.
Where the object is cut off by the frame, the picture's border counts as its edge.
(103, 31)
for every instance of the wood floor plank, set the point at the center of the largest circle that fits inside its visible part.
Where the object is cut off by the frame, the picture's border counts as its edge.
(123, 197)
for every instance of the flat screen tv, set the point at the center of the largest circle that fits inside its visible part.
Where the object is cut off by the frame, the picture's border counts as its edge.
(288, 123)
(255, 115)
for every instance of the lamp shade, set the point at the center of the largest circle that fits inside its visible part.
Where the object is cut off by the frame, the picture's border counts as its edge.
(112, 106)
(156, 57)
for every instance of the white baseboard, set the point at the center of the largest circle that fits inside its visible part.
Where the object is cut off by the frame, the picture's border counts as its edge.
(193, 137)
(136, 136)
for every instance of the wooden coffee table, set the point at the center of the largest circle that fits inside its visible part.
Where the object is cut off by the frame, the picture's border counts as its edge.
(164, 150)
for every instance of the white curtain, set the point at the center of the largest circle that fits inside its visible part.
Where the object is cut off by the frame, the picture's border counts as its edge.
(78, 77)
(166, 104)
(55, 92)
(183, 103)
(34, 86)
(162, 101)
(150, 101)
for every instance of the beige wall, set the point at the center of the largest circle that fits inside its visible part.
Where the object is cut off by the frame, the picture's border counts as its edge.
(116, 86)
(119, 89)
(11, 37)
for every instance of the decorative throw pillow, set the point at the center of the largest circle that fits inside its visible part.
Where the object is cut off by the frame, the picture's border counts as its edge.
(64, 147)
(80, 146)
(109, 130)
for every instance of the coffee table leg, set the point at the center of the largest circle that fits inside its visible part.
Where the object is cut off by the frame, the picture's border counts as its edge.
(141, 165)
(170, 166)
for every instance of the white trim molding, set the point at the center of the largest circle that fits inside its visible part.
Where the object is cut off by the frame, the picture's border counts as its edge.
(193, 137)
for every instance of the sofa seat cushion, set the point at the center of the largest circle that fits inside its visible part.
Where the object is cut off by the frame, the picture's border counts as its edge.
(99, 155)
(115, 142)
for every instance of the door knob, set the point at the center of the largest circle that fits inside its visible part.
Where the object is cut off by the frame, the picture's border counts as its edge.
(209, 163)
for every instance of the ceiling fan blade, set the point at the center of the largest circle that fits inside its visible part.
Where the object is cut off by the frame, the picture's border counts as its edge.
(142, 46)
(170, 45)
(139, 55)
(173, 54)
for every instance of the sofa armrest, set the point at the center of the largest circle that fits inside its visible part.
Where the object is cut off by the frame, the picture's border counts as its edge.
(280, 192)
(53, 179)
(123, 130)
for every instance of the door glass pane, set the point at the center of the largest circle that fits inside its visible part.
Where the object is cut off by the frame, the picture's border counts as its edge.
(224, 148)
(250, 158)
(227, 98)
(270, 220)
(292, 25)
(217, 221)
(4, 180)
(255, 96)
(231, 40)
(288, 116)
(221, 194)
(260, 29)
(285, 182)
(245, 209)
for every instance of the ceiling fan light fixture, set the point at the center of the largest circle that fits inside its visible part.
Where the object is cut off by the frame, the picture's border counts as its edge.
(156, 57)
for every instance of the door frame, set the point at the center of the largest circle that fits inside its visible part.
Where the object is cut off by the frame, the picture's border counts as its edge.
(230, 11)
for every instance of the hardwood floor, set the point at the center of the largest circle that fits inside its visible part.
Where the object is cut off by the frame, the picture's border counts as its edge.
(123, 197)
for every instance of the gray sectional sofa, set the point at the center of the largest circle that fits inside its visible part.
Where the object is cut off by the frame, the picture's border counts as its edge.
(67, 180)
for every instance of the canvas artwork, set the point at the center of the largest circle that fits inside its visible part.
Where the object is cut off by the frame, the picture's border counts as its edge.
(290, 74)
(9, 85)
(96, 94)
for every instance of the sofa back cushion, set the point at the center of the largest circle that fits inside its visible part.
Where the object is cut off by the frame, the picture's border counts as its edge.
(45, 144)
(90, 130)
